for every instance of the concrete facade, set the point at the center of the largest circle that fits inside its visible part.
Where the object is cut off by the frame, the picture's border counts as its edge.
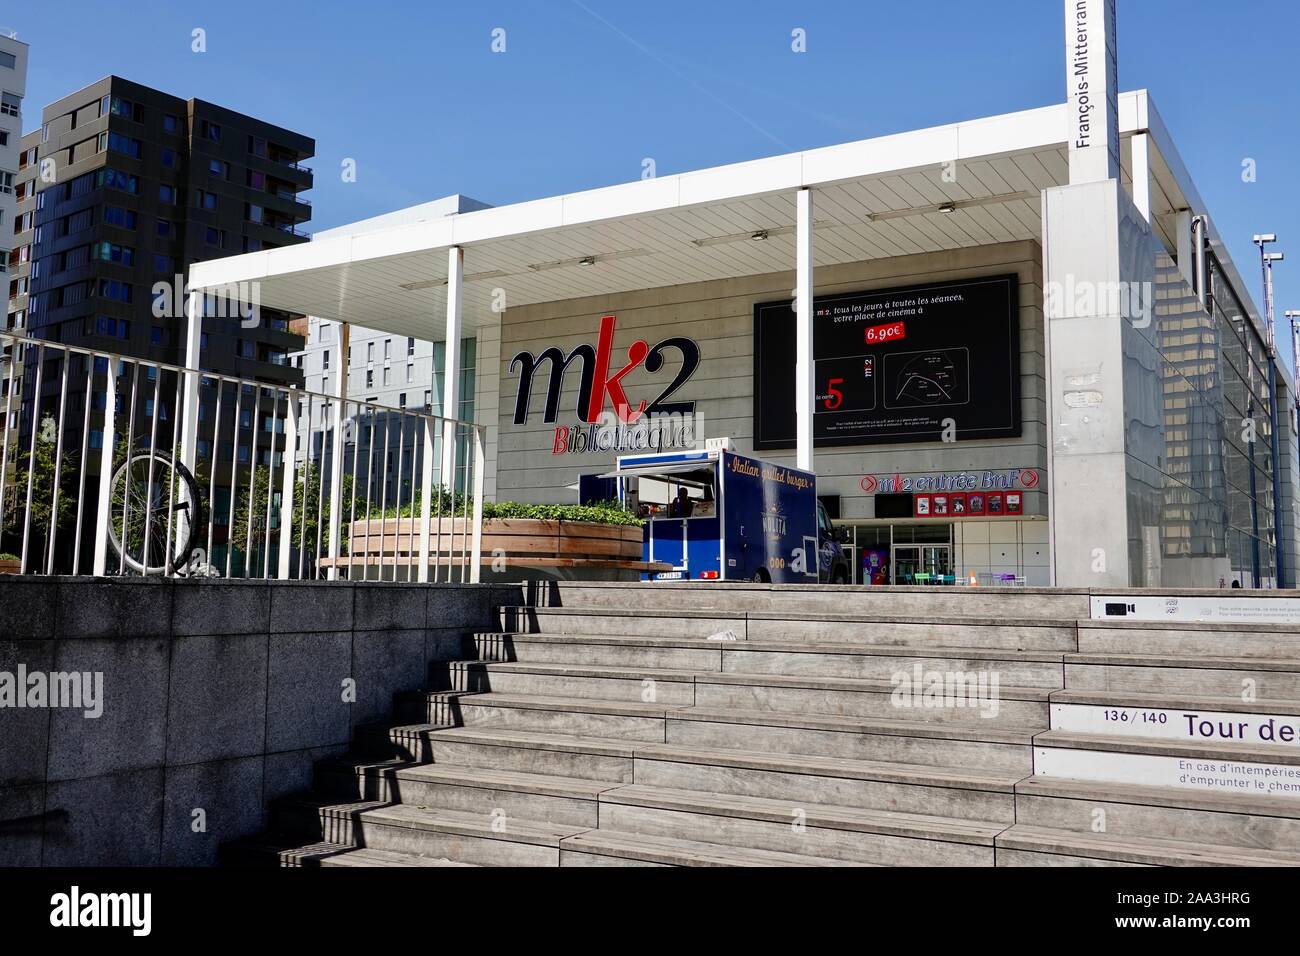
(217, 697)
(719, 317)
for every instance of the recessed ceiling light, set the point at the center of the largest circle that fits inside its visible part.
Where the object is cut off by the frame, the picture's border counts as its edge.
(759, 236)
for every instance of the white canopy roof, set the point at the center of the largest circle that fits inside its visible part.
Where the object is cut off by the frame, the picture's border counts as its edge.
(873, 199)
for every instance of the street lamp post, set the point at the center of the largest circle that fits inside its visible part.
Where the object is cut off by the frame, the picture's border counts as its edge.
(1266, 260)
(1294, 316)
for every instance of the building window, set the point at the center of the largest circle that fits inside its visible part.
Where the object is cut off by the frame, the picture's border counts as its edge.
(112, 252)
(171, 124)
(251, 244)
(214, 237)
(169, 158)
(157, 335)
(325, 360)
(410, 372)
(125, 108)
(205, 200)
(164, 229)
(121, 144)
(4, 141)
(210, 131)
(6, 183)
(167, 194)
(252, 213)
(388, 349)
(11, 105)
(116, 179)
(218, 168)
(370, 378)
(117, 216)
(115, 290)
(163, 264)
(8, 60)
(257, 180)
(110, 327)
(387, 375)
(401, 400)
(257, 145)
(370, 351)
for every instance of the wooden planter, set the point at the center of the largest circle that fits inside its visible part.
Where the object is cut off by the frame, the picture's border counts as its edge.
(10, 566)
(522, 543)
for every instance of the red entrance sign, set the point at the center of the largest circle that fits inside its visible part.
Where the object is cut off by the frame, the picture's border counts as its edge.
(892, 332)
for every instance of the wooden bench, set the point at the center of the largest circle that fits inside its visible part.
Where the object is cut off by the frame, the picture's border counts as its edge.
(523, 543)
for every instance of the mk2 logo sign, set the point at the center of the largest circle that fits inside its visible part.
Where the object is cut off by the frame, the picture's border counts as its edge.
(599, 384)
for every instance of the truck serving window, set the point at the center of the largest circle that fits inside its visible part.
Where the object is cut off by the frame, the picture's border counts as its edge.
(688, 494)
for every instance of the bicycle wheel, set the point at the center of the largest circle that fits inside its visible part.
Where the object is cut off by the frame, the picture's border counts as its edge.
(153, 514)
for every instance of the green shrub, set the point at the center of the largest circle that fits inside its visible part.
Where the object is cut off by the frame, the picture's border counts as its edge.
(605, 512)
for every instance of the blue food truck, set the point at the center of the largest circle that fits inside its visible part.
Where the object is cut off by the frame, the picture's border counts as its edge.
(715, 515)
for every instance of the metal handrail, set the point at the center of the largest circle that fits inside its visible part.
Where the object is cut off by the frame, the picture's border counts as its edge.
(275, 408)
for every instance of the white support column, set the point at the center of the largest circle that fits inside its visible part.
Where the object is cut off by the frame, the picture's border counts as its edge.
(426, 495)
(193, 347)
(476, 545)
(287, 484)
(336, 463)
(102, 510)
(1186, 257)
(451, 364)
(1141, 146)
(803, 368)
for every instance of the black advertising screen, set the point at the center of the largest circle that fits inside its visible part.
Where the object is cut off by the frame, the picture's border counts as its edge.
(892, 364)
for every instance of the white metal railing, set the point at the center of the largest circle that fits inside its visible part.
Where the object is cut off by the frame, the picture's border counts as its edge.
(96, 476)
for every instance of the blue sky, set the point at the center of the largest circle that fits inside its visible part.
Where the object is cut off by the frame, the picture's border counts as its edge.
(587, 88)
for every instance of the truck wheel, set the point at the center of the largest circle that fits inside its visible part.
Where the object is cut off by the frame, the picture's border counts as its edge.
(840, 576)
(761, 577)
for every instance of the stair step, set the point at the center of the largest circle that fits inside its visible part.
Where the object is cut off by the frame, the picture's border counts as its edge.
(864, 836)
(597, 650)
(675, 687)
(1255, 823)
(470, 837)
(911, 741)
(612, 848)
(1070, 848)
(954, 793)
(857, 629)
(1265, 680)
(366, 856)
(970, 701)
(538, 798)
(1246, 771)
(585, 717)
(1190, 639)
(970, 744)
(1235, 752)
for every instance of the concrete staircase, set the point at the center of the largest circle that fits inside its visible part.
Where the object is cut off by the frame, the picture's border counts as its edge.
(750, 725)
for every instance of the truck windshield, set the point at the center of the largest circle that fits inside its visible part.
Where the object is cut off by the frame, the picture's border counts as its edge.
(680, 495)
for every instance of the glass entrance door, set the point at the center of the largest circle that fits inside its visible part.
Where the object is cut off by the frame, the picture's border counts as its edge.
(922, 563)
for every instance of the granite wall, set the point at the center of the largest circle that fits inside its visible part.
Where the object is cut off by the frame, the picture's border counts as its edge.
(217, 697)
